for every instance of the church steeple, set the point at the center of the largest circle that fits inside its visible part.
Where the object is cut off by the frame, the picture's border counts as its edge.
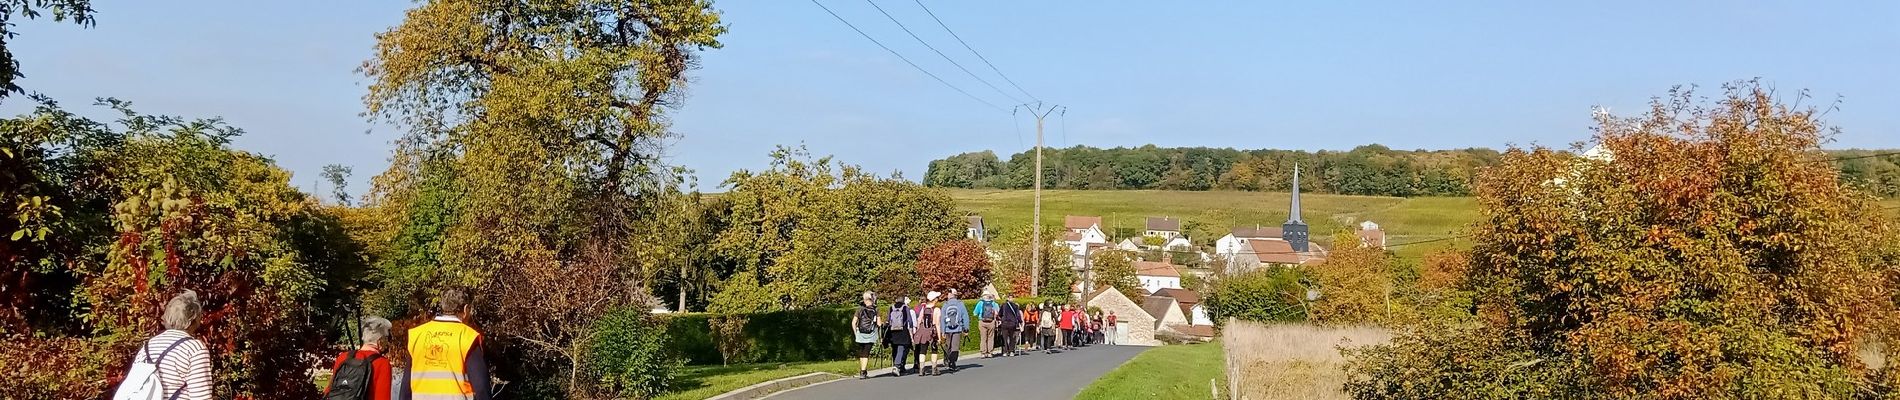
(1294, 230)
(1293, 217)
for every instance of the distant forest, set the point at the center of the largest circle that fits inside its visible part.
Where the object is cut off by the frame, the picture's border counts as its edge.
(1372, 170)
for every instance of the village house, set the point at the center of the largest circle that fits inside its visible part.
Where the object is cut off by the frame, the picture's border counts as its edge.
(1190, 302)
(1157, 275)
(1166, 228)
(1134, 326)
(1084, 236)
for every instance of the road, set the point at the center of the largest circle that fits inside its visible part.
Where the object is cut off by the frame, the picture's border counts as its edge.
(1034, 376)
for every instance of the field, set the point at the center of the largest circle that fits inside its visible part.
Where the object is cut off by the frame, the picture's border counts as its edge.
(1404, 219)
(1287, 361)
(1190, 371)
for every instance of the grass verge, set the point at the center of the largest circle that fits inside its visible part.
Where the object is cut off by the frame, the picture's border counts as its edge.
(1189, 371)
(701, 382)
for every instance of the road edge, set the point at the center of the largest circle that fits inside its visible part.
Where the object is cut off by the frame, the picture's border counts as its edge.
(768, 388)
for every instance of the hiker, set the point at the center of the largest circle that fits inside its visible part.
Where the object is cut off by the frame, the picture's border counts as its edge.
(1032, 327)
(864, 332)
(1046, 325)
(362, 373)
(172, 364)
(1009, 320)
(900, 321)
(956, 321)
(1065, 325)
(925, 337)
(1108, 326)
(986, 311)
(445, 354)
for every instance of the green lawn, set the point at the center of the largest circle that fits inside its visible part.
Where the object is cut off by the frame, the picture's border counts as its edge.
(1404, 219)
(707, 381)
(1167, 372)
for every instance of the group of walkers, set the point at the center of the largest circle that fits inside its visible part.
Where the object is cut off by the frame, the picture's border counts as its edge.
(445, 359)
(928, 336)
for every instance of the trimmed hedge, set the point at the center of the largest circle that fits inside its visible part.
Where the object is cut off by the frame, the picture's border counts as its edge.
(782, 336)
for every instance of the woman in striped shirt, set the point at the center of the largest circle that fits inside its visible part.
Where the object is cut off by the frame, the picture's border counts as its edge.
(185, 372)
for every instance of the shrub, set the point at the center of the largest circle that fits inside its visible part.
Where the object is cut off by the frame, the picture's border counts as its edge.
(957, 264)
(1265, 295)
(1705, 254)
(628, 357)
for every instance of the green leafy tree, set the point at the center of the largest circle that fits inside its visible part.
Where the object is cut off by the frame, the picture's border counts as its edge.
(550, 118)
(820, 233)
(1116, 269)
(339, 178)
(1013, 268)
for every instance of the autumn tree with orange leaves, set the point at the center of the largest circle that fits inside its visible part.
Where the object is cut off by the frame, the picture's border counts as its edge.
(957, 264)
(1709, 250)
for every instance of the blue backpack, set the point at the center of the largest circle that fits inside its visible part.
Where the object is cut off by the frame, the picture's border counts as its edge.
(953, 320)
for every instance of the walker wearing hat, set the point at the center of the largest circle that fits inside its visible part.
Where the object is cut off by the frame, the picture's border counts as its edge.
(924, 338)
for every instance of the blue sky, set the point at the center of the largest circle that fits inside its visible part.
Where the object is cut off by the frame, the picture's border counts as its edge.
(1224, 74)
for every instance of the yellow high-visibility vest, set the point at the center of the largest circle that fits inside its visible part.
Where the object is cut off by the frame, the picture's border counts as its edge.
(437, 350)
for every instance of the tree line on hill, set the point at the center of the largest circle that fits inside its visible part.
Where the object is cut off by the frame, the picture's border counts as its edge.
(1371, 170)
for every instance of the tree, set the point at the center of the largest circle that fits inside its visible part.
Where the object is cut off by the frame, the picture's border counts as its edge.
(339, 178)
(1355, 284)
(1116, 269)
(957, 264)
(1013, 268)
(79, 11)
(551, 118)
(1706, 255)
(124, 215)
(821, 232)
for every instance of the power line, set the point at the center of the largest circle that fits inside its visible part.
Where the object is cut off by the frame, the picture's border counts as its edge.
(901, 57)
(979, 56)
(933, 49)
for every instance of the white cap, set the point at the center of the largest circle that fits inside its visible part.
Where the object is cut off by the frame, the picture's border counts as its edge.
(933, 295)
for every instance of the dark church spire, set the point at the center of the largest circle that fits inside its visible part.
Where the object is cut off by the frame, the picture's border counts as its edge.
(1294, 231)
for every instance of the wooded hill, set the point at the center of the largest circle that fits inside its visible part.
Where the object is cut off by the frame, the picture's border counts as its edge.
(1373, 170)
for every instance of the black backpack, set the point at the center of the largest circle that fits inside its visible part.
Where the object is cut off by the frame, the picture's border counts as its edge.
(867, 320)
(352, 379)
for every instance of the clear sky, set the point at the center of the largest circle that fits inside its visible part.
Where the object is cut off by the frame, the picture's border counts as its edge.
(1310, 75)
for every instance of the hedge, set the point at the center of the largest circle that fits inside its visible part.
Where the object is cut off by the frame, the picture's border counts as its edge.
(782, 336)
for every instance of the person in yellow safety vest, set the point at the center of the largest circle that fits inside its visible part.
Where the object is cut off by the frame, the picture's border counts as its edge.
(445, 355)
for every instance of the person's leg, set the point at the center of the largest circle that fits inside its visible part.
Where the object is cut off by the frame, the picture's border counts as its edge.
(897, 358)
(956, 349)
(986, 338)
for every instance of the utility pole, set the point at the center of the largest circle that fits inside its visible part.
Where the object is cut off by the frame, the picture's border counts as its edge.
(1040, 111)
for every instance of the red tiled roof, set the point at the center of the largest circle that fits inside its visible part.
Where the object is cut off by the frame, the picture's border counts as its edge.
(1151, 268)
(1071, 237)
(1080, 222)
(1274, 251)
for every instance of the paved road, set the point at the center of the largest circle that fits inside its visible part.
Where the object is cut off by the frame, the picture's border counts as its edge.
(1035, 376)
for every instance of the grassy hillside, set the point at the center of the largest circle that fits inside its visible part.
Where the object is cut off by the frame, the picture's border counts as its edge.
(1215, 212)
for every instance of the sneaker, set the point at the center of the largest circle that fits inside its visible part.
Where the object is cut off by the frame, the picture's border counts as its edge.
(863, 375)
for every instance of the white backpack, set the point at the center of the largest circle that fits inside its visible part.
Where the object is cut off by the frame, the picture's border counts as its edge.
(142, 383)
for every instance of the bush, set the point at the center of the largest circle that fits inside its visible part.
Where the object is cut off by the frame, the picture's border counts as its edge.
(628, 357)
(1266, 295)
